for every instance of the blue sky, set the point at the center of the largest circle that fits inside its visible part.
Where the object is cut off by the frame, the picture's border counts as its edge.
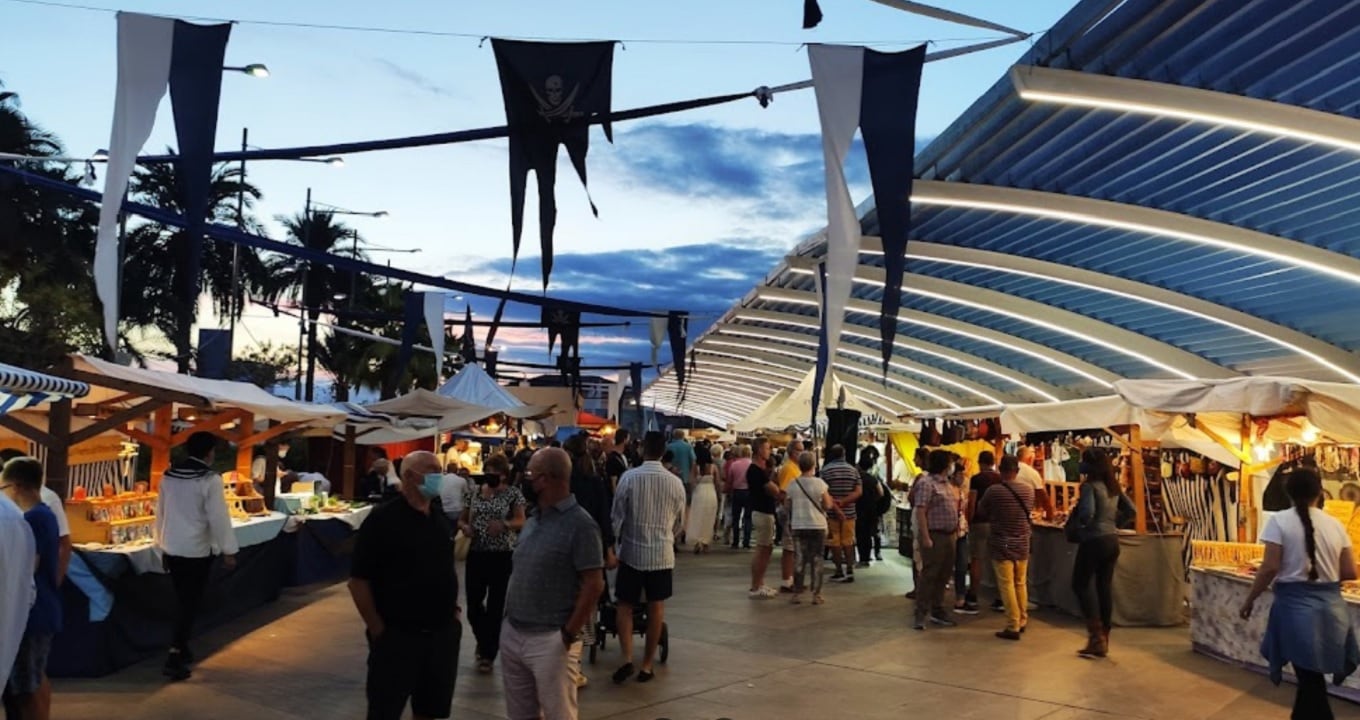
(694, 207)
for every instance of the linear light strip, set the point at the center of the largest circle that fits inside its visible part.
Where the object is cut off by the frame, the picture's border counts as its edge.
(1026, 319)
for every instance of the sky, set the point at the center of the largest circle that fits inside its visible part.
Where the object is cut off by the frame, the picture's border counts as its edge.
(695, 207)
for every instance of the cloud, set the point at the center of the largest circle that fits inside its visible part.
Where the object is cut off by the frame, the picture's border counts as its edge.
(780, 175)
(413, 78)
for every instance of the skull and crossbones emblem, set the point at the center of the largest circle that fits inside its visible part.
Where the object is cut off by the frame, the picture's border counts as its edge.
(555, 103)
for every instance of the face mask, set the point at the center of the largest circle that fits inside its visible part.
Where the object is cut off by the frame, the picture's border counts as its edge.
(430, 487)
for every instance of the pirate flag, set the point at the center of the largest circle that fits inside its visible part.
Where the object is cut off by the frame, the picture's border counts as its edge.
(570, 368)
(551, 91)
(489, 361)
(469, 344)
(677, 327)
(567, 324)
(812, 14)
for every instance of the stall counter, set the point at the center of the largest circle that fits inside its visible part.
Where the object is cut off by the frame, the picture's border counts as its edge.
(1216, 629)
(1149, 581)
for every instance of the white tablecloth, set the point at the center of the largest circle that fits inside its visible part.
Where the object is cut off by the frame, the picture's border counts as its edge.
(354, 518)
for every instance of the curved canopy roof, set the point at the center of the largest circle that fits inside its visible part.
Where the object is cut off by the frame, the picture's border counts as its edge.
(1157, 189)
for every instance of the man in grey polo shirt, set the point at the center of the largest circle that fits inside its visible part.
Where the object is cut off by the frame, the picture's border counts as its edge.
(556, 582)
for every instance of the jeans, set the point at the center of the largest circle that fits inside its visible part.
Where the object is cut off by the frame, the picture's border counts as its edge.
(961, 560)
(487, 576)
(937, 561)
(1095, 561)
(537, 672)
(1013, 586)
(809, 545)
(189, 576)
(741, 517)
(1310, 700)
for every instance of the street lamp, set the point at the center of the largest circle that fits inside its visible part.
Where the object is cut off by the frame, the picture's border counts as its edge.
(256, 70)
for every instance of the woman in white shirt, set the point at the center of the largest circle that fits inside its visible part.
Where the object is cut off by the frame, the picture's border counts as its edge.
(809, 501)
(1308, 555)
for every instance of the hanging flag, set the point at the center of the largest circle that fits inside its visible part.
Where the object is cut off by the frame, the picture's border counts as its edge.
(489, 361)
(812, 14)
(677, 327)
(635, 376)
(658, 329)
(551, 91)
(469, 350)
(877, 93)
(570, 367)
(823, 346)
(433, 305)
(413, 306)
(567, 325)
(156, 53)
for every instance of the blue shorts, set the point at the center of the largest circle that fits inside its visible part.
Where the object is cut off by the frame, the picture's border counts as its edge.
(30, 665)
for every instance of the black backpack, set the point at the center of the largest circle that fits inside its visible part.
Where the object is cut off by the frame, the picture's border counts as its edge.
(882, 498)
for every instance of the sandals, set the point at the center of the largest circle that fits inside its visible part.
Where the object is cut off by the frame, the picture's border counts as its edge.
(645, 676)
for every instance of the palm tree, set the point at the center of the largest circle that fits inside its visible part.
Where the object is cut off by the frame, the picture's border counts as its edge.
(155, 253)
(46, 250)
(315, 286)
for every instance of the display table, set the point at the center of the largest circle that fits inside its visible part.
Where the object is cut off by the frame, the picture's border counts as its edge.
(118, 604)
(1149, 580)
(322, 545)
(1216, 629)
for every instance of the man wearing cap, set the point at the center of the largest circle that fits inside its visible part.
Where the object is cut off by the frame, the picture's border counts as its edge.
(405, 588)
(556, 582)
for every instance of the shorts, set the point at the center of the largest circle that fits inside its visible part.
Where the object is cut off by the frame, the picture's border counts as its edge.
(415, 666)
(632, 585)
(840, 533)
(787, 542)
(979, 536)
(30, 665)
(764, 529)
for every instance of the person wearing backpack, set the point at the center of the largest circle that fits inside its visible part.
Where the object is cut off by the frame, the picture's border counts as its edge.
(872, 505)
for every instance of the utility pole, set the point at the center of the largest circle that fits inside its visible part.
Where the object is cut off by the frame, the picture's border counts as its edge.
(302, 315)
(236, 306)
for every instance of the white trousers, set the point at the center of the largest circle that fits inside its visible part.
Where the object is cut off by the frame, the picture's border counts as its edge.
(536, 670)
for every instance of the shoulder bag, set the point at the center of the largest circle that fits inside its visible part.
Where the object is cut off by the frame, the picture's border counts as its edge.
(815, 503)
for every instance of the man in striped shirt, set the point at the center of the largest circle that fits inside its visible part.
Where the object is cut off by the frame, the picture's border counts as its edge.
(1008, 506)
(649, 511)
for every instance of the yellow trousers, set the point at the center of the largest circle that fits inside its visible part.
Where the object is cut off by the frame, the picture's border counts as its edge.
(1011, 581)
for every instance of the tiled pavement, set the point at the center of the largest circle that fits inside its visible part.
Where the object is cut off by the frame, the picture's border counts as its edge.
(731, 657)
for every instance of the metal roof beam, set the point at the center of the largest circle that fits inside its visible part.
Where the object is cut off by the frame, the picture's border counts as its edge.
(1064, 361)
(1333, 358)
(1135, 218)
(758, 362)
(931, 373)
(1005, 374)
(1147, 97)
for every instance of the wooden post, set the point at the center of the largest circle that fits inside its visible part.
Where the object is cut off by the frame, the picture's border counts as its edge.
(271, 470)
(347, 478)
(888, 459)
(1246, 495)
(160, 451)
(244, 451)
(1139, 480)
(59, 451)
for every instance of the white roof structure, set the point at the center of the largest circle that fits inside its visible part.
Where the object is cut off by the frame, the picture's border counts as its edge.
(795, 409)
(1099, 214)
(473, 385)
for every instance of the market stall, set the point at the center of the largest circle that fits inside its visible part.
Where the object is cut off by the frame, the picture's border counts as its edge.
(118, 600)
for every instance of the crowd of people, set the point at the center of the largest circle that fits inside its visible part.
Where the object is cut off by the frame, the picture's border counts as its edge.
(541, 528)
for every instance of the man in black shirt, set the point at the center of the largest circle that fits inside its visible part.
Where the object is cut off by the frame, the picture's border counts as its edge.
(764, 498)
(979, 531)
(616, 463)
(404, 585)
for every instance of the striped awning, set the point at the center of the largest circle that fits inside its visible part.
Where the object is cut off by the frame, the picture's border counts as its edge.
(20, 388)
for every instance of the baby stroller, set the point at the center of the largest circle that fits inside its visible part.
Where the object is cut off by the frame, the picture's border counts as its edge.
(608, 625)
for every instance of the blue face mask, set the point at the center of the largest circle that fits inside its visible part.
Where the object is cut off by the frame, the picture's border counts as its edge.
(430, 487)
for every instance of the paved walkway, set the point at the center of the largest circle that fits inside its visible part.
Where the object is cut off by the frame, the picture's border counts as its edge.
(731, 657)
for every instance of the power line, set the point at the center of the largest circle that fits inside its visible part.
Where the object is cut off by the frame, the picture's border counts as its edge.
(481, 36)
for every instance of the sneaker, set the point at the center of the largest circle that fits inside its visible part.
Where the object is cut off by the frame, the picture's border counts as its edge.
(878, 556)
(762, 593)
(967, 609)
(837, 575)
(942, 620)
(785, 588)
(1008, 635)
(848, 579)
(998, 606)
(797, 599)
(817, 599)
